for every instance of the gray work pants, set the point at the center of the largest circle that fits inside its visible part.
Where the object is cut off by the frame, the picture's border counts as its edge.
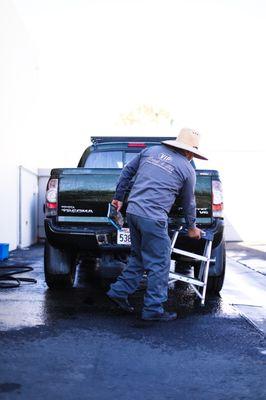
(150, 252)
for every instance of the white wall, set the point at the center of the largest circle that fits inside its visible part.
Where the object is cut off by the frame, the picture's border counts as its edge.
(9, 205)
(28, 207)
(18, 116)
(243, 177)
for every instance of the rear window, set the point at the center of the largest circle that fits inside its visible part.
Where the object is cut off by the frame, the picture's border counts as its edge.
(104, 159)
(129, 157)
(112, 159)
(108, 159)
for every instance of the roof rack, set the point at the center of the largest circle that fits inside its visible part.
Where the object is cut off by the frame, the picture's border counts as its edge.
(108, 139)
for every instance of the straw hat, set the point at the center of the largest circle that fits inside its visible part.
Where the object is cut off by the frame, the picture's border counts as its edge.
(187, 140)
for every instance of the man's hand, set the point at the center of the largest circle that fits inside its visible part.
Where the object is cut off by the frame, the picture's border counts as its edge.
(117, 204)
(194, 233)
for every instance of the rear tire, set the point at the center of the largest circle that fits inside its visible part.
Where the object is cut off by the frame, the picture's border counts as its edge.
(215, 283)
(59, 267)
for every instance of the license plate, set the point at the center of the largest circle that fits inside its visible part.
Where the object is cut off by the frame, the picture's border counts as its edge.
(123, 236)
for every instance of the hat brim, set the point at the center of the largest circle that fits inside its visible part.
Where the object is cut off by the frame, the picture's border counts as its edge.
(183, 146)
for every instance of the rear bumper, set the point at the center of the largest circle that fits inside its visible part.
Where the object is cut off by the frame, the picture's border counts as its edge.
(102, 239)
(94, 239)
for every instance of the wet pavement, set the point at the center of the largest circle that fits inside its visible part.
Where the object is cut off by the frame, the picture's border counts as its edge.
(76, 345)
(245, 284)
(252, 255)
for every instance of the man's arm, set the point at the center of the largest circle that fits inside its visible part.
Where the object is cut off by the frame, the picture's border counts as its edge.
(126, 175)
(189, 206)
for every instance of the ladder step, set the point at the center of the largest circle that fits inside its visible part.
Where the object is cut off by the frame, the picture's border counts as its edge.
(179, 277)
(197, 285)
(191, 255)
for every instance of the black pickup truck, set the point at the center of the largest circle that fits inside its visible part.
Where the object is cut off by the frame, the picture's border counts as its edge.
(78, 225)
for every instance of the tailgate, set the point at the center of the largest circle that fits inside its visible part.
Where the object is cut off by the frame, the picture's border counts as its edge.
(203, 193)
(84, 195)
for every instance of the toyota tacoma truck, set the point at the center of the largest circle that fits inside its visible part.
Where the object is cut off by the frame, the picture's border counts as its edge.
(77, 215)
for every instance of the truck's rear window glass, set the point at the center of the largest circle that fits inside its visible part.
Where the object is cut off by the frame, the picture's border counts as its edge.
(104, 159)
(129, 157)
(108, 159)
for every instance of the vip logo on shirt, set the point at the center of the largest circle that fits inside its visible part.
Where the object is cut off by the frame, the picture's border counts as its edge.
(161, 162)
(165, 157)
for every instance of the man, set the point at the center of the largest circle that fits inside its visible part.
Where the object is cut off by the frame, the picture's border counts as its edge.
(161, 173)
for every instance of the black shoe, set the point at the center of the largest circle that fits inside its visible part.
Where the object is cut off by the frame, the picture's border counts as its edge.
(121, 303)
(165, 317)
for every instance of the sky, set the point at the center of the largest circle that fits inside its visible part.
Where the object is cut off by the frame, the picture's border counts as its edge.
(201, 60)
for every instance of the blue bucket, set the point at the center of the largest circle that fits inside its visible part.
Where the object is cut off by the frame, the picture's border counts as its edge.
(4, 251)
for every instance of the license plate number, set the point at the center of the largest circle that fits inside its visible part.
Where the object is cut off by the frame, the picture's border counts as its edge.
(123, 236)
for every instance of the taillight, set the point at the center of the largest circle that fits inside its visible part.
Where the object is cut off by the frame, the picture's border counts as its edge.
(51, 197)
(136, 144)
(217, 199)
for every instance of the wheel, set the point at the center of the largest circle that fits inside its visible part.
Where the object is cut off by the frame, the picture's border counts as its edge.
(59, 267)
(215, 283)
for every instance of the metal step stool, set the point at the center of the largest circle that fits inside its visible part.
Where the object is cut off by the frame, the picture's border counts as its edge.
(198, 285)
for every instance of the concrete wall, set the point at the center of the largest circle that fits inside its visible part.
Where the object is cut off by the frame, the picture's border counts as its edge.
(28, 207)
(9, 205)
(18, 206)
(18, 117)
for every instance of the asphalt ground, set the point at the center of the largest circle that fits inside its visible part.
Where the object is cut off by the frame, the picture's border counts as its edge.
(77, 345)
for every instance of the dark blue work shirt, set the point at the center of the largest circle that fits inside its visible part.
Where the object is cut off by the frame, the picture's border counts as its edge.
(161, 174)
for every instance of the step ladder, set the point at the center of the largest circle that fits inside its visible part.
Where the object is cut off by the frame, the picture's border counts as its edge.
(198, 285)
